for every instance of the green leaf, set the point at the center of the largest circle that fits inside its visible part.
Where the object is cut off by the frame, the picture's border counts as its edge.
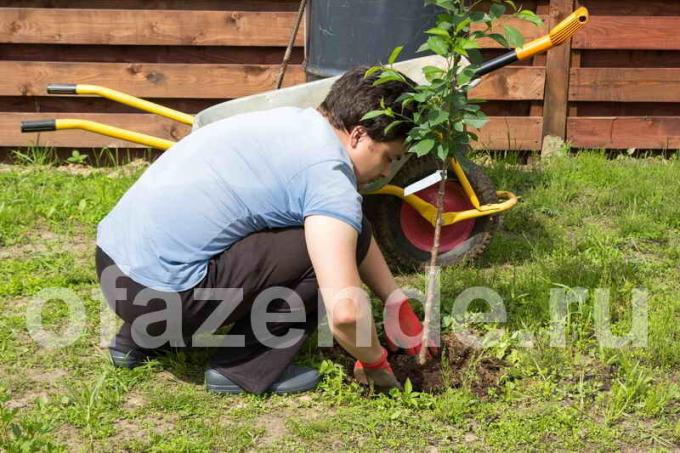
(500, 39)
(432, 72)
(372, 70)
(438, 45)
(424, 47)
(530, 16)
(478, 16)
(463, 24)
(511, 3)
(436, 117)
(392, 125)
(395, 54)
(372, 114)
(438, 32)
(514, 37)
(442, 152)
(465, 76)
(469, 44)
(497, 10)
(408, 387)
(476, 120)
(446, 4)
(422, 147)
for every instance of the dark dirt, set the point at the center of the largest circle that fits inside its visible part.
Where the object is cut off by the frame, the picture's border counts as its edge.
(457, 365)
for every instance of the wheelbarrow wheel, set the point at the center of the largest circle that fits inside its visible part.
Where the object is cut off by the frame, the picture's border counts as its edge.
(405, 237)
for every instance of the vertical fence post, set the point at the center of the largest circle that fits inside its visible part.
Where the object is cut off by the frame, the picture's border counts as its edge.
(555, 104)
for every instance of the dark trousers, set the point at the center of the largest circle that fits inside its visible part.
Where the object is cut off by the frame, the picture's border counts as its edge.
(260, 261)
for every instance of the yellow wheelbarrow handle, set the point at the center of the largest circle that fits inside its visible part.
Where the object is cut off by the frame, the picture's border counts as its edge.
(558, 35)
(120, 97)
(97, 128)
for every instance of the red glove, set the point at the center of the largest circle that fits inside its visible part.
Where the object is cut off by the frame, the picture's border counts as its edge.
(404, 330)
(378, 373)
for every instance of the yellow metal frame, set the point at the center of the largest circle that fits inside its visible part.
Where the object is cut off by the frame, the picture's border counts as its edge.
(135, 102)
(429, 212)
(115, 132)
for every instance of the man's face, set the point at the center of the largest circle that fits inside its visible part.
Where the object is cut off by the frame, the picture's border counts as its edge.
(372, 159)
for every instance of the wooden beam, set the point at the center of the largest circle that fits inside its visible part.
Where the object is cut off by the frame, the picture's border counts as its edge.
(510, 133)
(625, 84)
(512, 83)
(10, 130)
(624, 132)
(625, 32)
(205, 81)
(145, 27)
(557, 76)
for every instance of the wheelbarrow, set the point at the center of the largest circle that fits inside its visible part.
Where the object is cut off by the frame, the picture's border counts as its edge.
(403, 221)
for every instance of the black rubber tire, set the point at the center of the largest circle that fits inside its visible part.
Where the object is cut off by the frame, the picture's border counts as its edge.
(384, 211)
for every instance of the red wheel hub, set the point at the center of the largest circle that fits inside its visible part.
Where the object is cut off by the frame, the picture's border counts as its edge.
(420, 232)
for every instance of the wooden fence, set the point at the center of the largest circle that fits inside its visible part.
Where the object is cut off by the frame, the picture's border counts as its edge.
(616, 86)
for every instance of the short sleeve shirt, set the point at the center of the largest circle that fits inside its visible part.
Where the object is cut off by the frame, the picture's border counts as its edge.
(243, 174)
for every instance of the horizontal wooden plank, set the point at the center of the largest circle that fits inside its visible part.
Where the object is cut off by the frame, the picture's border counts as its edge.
(153, 80)
(10, 132)
(149, 54)
(528, 30)
(627, 108)
(624, 132)
(92, 104)
(146, 27)
(512, 83)
(625, 85)
(500, 133)
(632, 7)
(608, 58)
(629, 32)
(511, 133)
(207, 81)
(213, 5)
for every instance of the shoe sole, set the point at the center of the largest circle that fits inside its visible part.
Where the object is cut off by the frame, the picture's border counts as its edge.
(283, 389)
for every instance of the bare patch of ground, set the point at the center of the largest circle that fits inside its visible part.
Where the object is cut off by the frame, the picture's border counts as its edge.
(134, 401)
(274, 427)
(138, 429)
(26, 399)
(50, 377)
(41, 240)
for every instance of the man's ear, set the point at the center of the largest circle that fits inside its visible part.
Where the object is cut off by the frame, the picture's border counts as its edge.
(356, 134)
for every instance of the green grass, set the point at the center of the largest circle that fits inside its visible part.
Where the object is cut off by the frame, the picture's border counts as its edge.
(584, 221)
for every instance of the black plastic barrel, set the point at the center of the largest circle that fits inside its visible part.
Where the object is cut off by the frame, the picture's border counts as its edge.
(345, 33)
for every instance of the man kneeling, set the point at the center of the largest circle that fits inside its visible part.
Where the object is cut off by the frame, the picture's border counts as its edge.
(241, 223)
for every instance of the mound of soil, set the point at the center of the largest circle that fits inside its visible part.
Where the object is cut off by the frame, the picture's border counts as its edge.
(458, 364)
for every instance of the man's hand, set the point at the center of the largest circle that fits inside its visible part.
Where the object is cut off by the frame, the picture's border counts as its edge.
(379, 373)
(403, 329)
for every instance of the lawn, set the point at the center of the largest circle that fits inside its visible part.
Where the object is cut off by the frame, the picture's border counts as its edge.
(584, 221)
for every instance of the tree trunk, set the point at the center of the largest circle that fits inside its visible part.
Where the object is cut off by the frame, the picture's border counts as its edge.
(432, 272)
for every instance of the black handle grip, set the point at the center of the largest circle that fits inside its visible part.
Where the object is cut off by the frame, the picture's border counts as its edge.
(61, 88)
(39, 126)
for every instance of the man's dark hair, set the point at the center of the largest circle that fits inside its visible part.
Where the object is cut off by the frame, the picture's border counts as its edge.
(353, 95)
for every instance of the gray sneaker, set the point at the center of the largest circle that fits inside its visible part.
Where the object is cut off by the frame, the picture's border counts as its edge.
(295, 379)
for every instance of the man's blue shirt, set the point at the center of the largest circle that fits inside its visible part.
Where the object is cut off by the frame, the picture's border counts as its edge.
(243, 174)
